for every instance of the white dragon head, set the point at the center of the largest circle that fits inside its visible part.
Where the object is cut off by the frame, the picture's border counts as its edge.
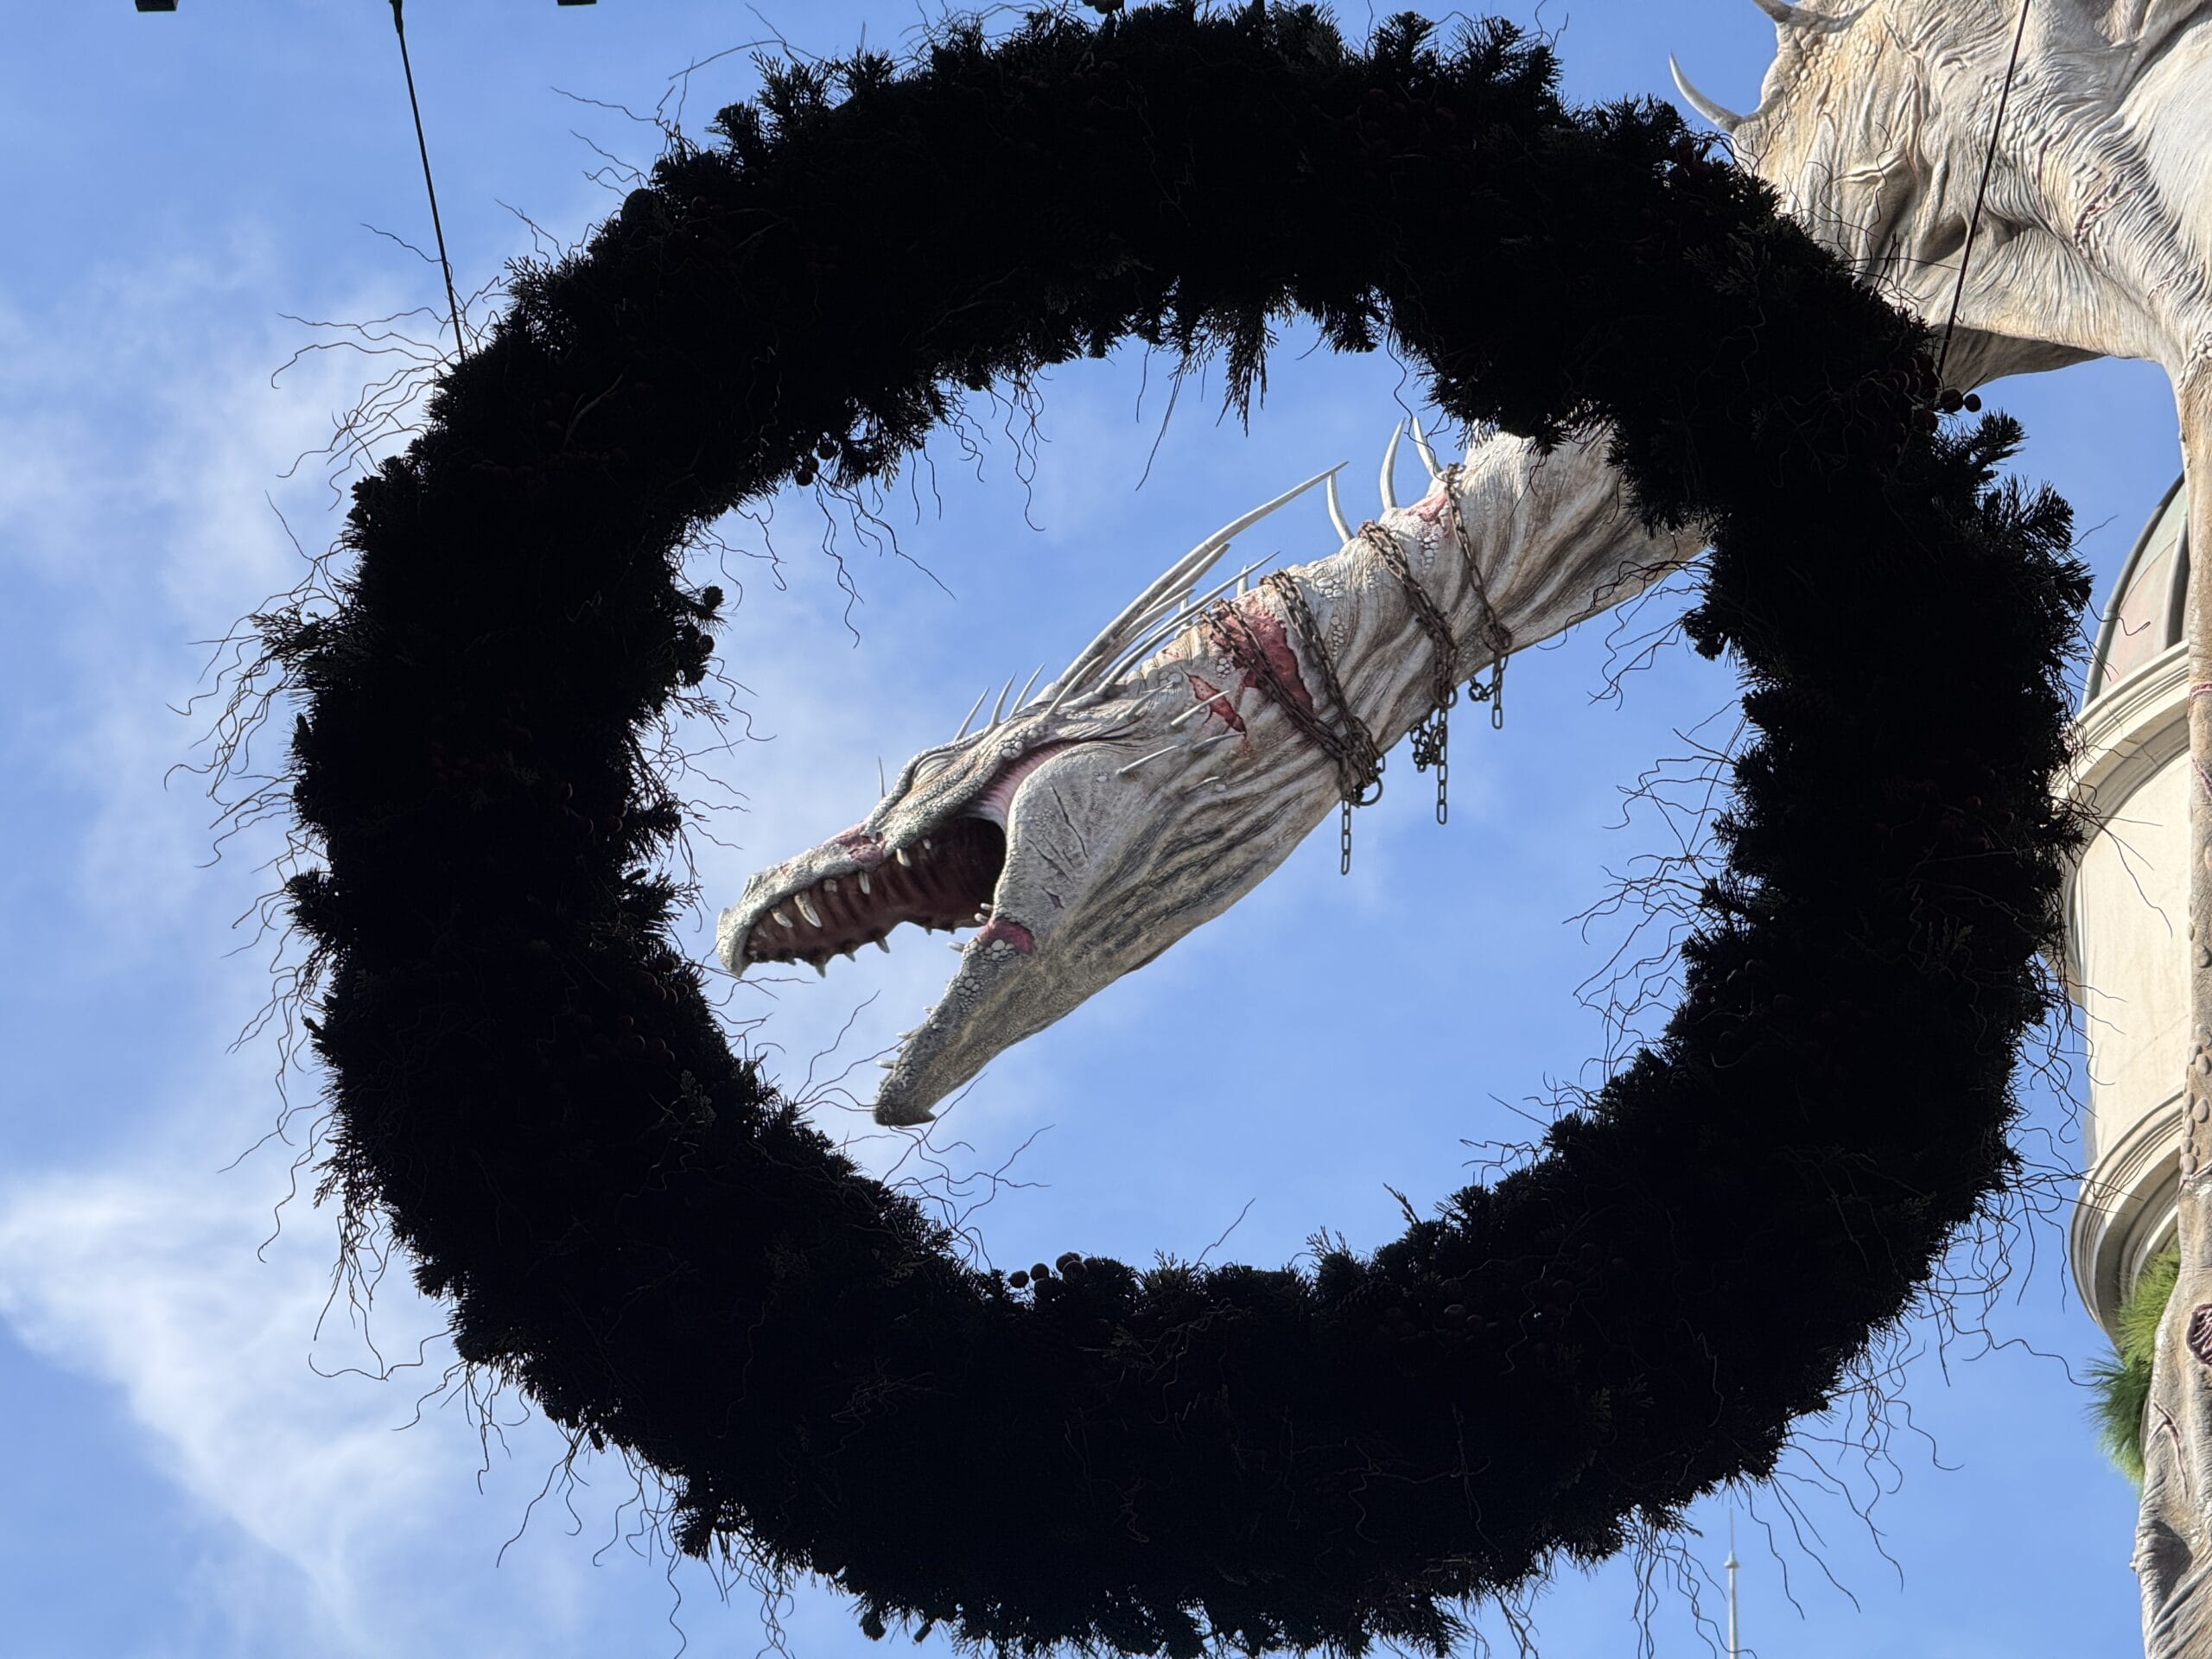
(1875, 125)
(1080, 832)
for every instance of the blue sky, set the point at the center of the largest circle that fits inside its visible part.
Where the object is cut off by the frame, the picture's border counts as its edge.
(202, 1463)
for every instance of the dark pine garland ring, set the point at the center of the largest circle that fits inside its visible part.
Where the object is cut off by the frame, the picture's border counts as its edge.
(636, 1230)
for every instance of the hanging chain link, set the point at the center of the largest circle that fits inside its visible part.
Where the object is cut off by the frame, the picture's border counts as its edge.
(1357, 761)
(1432, 734)
(1496, 634)
(1353, 753)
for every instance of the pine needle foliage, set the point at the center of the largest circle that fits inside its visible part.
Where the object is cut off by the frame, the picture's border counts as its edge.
(2121, 1386)
(631, 1223)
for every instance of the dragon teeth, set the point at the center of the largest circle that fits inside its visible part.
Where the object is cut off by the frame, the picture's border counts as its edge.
(813, 915)
(883, 945)
(781, 920)
(903, 859)
(866, 886)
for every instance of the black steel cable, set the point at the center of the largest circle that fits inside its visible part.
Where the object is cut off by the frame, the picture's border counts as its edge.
(1989, 165)
(453, 304)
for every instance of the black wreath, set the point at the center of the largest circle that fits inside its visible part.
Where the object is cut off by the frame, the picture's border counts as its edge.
(633, 1227)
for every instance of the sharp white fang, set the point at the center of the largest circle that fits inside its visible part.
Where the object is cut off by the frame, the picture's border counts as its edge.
(903, 859)
(928, 845)
(813, 916)
(1142, 758)
(1336, 512)
(884, 946)
(867, 886)
(1427, 454)
(782, 920)
(964, 724)
(1389, 465)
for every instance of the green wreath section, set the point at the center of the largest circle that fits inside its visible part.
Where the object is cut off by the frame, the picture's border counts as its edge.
(633, 1227)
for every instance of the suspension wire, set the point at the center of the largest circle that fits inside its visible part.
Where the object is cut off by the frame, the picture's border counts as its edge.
(1989, 165)
(453, 303)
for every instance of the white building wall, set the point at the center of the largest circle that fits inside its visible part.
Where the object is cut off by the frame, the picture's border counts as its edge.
(2128, 956)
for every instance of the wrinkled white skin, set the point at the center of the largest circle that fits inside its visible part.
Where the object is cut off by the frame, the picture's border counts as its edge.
(1111, 856)
(1872, 125)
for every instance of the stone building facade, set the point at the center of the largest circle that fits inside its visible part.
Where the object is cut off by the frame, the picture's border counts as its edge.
(2127, 917)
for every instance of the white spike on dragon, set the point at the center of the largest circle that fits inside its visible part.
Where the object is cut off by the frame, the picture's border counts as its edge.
(1130, 816)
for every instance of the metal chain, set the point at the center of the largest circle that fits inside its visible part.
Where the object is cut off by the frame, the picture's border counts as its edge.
(1357, 761)
(1353, 752)
(1495, 633)
(1432, 734)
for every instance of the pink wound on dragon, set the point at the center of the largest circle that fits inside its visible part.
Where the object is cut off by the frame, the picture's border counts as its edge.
(1218, 705)
(1252, 623)
(861, 845)
(1003, 930)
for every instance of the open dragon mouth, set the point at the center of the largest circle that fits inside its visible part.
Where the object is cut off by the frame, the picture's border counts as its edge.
(1029, 831)
(945, 877)
(945, 880)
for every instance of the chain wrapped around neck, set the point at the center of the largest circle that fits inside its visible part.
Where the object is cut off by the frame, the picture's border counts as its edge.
(1352, 750)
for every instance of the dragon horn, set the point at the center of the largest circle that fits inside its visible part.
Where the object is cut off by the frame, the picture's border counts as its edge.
(1389, 465)
(1337, 512)
(1180, 576)
(998, 708)
(1719, 114)
(963, 731)
(1427, 454)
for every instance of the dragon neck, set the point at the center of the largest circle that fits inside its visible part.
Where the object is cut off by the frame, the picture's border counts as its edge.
(1508, 549)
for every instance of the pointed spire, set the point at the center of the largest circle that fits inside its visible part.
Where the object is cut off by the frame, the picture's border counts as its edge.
(1735, 1647)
